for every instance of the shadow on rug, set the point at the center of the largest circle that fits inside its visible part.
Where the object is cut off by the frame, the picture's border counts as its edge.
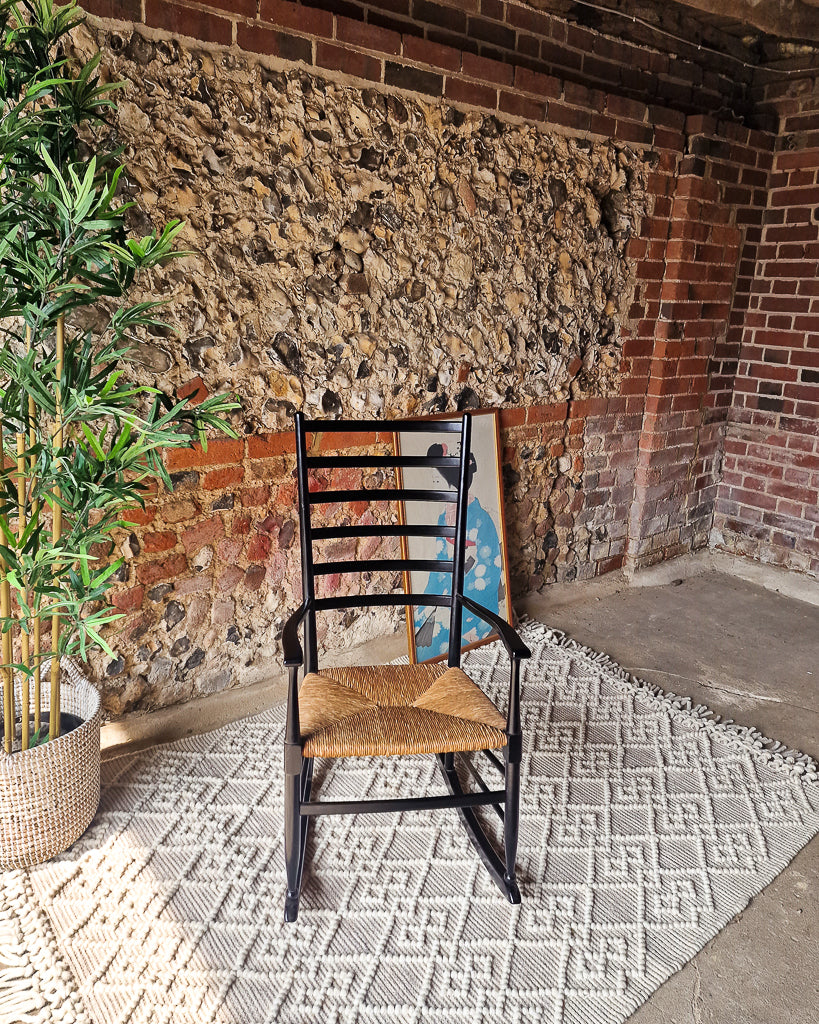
(646, 826)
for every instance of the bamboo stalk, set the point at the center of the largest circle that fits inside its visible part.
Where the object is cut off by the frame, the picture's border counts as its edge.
(8, 678)
(56, 533)
(24, 639)
(8, 673)
(37, 644)
(35, 514)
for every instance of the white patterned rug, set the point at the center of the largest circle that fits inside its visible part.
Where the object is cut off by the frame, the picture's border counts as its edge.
(646, 825)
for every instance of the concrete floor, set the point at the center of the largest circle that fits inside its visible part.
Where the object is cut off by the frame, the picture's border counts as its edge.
(748, 653)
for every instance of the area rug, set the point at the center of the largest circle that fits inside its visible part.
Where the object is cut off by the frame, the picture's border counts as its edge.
(647, 824)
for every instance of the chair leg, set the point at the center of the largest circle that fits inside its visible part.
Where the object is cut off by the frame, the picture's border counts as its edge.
(511, 818)
(496, 867)
(296, 790)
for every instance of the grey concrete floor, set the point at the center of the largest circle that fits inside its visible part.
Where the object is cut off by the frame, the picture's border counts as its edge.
(752, 655)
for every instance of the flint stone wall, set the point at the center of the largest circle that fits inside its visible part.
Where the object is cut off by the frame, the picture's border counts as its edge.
(358, 252)
(355, 253)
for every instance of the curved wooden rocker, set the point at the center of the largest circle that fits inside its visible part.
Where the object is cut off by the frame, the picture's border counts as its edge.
(391, 709)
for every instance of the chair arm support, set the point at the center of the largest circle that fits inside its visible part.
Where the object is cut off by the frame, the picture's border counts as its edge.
(511, 641)
(292, 731)
(293, 654)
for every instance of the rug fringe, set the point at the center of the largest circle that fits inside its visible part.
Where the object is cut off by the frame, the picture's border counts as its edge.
(767, 750)
(18, 1000)
(36, 987)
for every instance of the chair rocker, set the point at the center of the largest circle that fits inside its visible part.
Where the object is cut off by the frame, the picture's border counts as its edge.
(392, 709)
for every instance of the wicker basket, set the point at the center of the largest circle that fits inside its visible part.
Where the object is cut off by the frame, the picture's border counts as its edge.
(50, 793)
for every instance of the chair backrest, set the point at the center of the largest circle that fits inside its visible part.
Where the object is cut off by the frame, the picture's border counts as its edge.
(457, 496)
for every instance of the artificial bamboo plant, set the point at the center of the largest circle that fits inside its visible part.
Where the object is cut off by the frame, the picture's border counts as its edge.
(79, 441)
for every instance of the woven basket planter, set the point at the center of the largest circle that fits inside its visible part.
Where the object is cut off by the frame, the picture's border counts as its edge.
(50, 793)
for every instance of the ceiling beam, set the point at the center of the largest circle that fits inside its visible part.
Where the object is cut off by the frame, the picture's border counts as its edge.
(796, 20)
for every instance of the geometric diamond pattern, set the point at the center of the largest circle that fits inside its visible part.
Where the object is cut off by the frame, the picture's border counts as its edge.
(645, 826)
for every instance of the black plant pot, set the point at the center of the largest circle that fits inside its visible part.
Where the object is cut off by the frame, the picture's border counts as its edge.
(68, 723)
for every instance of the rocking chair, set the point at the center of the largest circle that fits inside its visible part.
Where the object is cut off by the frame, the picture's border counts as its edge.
(392, 709)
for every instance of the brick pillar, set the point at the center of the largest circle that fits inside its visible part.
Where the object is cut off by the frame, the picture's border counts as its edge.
(714, 203)
(768, 498)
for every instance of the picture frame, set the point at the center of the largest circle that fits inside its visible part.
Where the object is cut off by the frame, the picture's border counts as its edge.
(486, 579)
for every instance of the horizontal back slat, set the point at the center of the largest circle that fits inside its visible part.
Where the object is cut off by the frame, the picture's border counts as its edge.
(365, 445)
(384, 565)
(379, 461)
(379, 530)
(381, 494)
(381, 426)
(382, 601)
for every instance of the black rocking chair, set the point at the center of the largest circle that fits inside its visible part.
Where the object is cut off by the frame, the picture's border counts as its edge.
(391, 709)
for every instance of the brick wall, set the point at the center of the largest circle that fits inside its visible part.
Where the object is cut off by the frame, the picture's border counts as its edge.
(709, 216)
(725, 287)
(484, 52)
(768, 496)
(646, 461)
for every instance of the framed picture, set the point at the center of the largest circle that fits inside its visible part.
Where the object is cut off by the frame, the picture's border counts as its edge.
(486, 575)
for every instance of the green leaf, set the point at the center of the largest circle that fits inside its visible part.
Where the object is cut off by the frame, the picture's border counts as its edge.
(39, 737)
(65, 251)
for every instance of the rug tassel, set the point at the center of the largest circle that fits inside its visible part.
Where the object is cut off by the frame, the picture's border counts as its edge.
(18, 1000)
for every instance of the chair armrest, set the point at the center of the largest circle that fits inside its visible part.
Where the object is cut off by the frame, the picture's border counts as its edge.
(291, 645)
(511, 641)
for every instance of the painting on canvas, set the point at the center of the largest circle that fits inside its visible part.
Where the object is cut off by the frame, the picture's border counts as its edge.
(486, 576)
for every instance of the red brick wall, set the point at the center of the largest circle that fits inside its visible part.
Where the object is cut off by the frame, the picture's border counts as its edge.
(486, 52)
(711, 214)
(768, 497)
(645, 463)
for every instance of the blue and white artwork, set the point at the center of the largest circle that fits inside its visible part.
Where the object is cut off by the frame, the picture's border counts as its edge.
(485, 577)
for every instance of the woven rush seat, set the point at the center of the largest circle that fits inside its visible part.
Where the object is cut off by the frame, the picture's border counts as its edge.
(396, 709)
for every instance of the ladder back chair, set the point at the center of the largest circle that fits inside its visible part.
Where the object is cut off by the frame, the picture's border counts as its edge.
(395, 709)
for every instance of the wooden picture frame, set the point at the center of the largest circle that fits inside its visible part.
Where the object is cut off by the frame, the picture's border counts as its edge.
(486, 579)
